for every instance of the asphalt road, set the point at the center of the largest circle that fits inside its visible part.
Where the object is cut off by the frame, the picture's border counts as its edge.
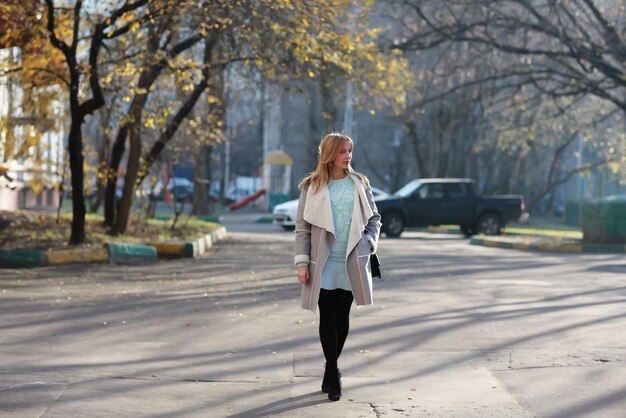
(456, 331)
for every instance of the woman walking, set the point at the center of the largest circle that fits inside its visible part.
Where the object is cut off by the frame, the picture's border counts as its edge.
(337, 228)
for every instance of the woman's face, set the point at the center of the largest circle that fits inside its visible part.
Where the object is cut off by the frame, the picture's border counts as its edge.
(343, 158)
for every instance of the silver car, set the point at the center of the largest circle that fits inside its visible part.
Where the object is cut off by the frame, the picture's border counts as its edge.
(285, 213)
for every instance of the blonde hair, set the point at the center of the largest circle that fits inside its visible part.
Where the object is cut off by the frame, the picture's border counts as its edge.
(329, 148)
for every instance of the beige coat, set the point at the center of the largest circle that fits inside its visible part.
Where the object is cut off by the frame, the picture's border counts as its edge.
(315, 235)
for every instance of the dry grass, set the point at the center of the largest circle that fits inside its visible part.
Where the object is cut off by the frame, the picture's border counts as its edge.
(41, 231)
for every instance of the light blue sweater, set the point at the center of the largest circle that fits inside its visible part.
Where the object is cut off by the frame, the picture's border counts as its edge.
(334, 275)
(342, 203)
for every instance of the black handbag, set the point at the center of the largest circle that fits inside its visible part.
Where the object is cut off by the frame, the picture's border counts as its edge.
(375, 265)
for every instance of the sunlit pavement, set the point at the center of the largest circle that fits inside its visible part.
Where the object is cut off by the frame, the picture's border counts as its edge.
(456, 331)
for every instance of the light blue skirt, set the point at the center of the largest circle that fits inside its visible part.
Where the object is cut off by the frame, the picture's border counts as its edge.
(334, 274)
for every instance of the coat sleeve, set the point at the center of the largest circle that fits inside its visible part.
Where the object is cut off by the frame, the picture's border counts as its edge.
(372, 228)
(303, 232)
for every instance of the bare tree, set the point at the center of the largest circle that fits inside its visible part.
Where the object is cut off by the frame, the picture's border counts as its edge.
(563, 48)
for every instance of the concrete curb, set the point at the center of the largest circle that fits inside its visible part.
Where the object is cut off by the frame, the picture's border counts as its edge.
(219, 233)
(92, 255)
(116, 253)
(130, 254)
(175, 249)
(528, 244)
(189, 249)
(22, 258)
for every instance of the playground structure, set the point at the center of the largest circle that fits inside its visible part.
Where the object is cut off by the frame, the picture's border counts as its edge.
(276, 182)
(277, 177)
(244, 202)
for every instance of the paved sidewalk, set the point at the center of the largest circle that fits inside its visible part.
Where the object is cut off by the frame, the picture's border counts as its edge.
(457, 331)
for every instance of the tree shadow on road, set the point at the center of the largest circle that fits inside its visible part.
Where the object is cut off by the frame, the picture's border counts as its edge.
(159, 315)
(284, 405)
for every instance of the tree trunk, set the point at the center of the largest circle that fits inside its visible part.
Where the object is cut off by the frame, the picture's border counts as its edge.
(133, 127)
(417, 153)
(75, 148)
(490, 160)
(119, 146)
(398, 174)
(442, 132)
(329, 109)
(442, 155)
(202, 181)
(99, 198)
(515, 174)
(102, 171)
(132, 168)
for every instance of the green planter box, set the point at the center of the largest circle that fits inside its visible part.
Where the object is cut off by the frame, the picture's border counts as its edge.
(604, 221)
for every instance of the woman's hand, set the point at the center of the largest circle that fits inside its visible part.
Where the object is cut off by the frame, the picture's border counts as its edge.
(303, 274)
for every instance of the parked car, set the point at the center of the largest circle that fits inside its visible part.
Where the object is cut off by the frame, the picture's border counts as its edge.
(180, 187)
(447, 201)
(285, 213)
(379, 194)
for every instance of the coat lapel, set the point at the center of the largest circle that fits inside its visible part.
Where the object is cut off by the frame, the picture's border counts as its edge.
(361, 213)
(366, 210)
(356, 226)
(318, 211)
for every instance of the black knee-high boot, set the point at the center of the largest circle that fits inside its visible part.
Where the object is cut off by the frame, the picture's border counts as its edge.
(334, 393)
(344, 303)
(334, 326)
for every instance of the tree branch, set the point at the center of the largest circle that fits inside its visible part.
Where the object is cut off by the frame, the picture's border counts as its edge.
(76, 28)
(182, 113)
(56, 42)
(97, 99)
(611, 35)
